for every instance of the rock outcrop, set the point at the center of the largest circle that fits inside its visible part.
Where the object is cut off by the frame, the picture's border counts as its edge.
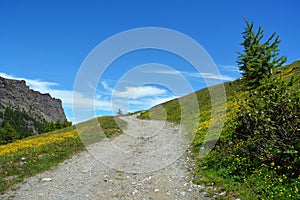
(17, 95)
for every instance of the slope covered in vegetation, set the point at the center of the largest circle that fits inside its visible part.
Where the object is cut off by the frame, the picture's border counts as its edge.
(15, 125)
(260, 161)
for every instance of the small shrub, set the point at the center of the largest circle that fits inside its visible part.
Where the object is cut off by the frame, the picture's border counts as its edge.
(269, 126)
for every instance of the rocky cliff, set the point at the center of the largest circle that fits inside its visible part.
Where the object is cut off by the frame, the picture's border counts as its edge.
(17, 95)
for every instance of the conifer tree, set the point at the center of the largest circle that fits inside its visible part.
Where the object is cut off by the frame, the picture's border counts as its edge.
(258, 58)
(8, 134)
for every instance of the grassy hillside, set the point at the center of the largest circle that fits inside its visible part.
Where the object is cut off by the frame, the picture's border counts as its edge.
(223, 166)
(35, 154)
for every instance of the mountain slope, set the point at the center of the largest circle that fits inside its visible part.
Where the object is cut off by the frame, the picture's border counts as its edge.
(25, 112)
(16, 94)
(223, 166)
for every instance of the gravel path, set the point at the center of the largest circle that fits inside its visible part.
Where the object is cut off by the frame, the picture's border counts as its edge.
(149, 161)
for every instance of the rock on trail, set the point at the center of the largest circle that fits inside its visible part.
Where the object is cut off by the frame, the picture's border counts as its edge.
(148, 161)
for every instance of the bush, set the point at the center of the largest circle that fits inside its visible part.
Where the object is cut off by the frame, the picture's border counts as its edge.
(268, 127)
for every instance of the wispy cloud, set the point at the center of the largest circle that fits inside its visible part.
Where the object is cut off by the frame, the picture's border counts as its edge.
(139, 92)
(105, 86)
(211, 76)
(230, 68)
(215, 76)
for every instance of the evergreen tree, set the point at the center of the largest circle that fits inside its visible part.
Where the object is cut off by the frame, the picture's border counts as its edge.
(50, 127)
(67, 123)
(57, 124)
(8, 134)
(259, 58)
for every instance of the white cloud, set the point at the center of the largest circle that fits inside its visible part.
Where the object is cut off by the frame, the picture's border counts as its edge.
(105, 86)
(215, 76)
(139, 92)
(196, 75)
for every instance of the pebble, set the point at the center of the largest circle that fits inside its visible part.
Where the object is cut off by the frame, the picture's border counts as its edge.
(182, 193)
(134, 192)
(23, 163)
(222, 193)
(46, 179)
(201, 186)
(203, 194)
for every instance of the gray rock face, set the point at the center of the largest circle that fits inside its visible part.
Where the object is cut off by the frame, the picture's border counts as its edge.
(16, 94)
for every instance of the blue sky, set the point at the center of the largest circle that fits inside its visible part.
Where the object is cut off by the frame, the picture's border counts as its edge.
(46, 42)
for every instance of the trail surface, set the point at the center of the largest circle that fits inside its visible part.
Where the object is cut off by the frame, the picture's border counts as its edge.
(149, 161)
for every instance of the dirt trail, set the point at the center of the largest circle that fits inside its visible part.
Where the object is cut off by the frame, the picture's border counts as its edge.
(148, 161)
